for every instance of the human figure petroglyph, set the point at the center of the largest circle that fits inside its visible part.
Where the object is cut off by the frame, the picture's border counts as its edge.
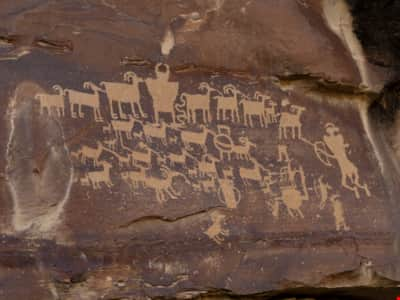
(124, 93)
(338, 213)
(123, 126)
(163, 92)
(216, 232)
(52, 101)
(334, 141)
(322, 189)
(283, 155)
(228, 103)
(96, 178)
(86, 153)
(198, 102)
(291, 121)
(80, 99)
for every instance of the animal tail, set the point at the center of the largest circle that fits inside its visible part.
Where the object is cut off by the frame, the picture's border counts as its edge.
(182, 115)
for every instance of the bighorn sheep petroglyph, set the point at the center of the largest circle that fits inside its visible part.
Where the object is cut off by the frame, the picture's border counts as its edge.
(124, 93)
(198, 102)
(81, 99)
(49, 101)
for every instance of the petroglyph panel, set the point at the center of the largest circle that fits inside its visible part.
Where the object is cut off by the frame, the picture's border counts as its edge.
(225, 173)
(157, 140)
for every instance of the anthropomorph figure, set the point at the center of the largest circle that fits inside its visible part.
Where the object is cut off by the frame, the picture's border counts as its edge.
(335, 142)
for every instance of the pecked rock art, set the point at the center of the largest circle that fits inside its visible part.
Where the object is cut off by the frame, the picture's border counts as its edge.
(185, 144)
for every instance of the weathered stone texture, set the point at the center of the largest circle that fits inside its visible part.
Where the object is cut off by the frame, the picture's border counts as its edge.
(182, 148)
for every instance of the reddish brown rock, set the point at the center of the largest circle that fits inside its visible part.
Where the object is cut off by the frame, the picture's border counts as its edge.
(165, 149)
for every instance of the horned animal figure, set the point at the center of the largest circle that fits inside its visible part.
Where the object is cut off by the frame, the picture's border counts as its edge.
(81, 99)
(96, 178)
(196, 138)
(49, 101)
(291, 121)
(254, 108)
(125, 93)
(228, 103)
(198, 102)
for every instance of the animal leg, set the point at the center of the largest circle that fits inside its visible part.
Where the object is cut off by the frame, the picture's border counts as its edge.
(80, 111)
(73, 113)
(347, 186)
(206, 113)
(236, 116)
(141, 112)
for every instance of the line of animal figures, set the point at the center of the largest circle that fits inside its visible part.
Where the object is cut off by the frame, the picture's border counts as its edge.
(208, 171)
(187, 108)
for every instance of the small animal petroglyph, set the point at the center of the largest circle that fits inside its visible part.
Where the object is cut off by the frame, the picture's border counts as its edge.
(196, 137)
(292, 199)
(291, 122)
(242, 151)
(255, 173)
(86, 153)
(123, 126)
(216, 232)
(96, 178)
(155, 131)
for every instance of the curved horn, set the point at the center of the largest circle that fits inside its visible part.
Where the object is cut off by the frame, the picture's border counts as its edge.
(58, 89)
(87, 85)
(229, 88)
(129, 75)
(204, 85)
(158, 66)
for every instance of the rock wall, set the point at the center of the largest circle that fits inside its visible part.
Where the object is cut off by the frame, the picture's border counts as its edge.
(177, 149)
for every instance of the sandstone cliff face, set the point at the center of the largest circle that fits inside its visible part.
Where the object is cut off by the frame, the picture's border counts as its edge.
(183, 149)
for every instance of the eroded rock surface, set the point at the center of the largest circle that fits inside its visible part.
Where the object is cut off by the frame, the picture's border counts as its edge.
(180, 148)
